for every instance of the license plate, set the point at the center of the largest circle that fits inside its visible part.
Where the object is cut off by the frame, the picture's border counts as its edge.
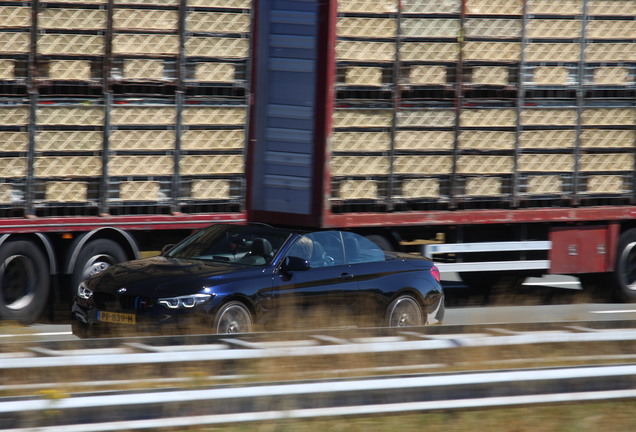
(116, 317)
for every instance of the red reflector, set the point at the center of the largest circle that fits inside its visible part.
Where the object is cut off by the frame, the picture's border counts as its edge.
(435, 273)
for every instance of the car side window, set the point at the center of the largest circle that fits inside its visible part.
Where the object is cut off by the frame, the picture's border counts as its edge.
(321, 249)
(361, 250)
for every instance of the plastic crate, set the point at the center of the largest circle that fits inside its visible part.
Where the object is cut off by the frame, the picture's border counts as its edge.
(145, 19)
(473, 164)
(547, 139)
(546, 163)
(211, 164)
(365, 51)
(87, 2)
(69, 141)
(368, 6)
(238, 4)
(420, 188)
(606, 162)
(14, 141)
(612, 75)
(429, 51)
(555, 7)
(431, 6)
(66, 192)
(78, 70)
(214, 72)
(544, 185)
(13, 167)
(359, 27)
(217, 47)
(552, 75)
(140, 165)
(605, 184)
(503, 117)
(611, 7)
(609, 116)
(430, 27)
(14, 43)
(490, 75)
(426, 118)
(494, 7)
(214, 189)
(553, 52)
(424, 140)
(363, 76)
(554, 29)
(70, 115)
(7, 69)
(142, 140)
(492, 51)
(486, 140)
(140, 191)
(229, 116)
(72, 19)
(14, 115)
(67, 166)
(605, 29)
(610, 52)
(493, 28)
(143, 115)
(218, 22)
(15, 17)
(70, 44)
(549, 117)
(138, 69)
(423, 165)
(610, 138)
(359, 165)
(7, 195)
(357, 189)
(212, 139)
(483, 186)
(145, 44)
(427, 75)
(362, 118)
(361, 141)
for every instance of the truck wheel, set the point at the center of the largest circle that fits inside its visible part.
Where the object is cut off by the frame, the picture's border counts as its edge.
(381, 241)
(96, 256)
(24, 281)
(624, 275)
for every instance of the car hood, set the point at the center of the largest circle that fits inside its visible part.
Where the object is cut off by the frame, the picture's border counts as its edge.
(166, 276)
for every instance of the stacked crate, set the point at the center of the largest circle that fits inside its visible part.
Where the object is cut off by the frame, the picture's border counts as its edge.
(15, 27)
(13, 154)
(365, 77)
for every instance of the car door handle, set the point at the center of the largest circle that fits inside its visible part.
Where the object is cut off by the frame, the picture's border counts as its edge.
(345, 276)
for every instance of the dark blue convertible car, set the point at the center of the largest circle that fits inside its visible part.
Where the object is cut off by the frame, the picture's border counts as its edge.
(241, 278)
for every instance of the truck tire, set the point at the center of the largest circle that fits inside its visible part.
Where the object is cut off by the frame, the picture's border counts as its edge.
(96, 256)
(25, 282)
(381, 241)
(624, 276)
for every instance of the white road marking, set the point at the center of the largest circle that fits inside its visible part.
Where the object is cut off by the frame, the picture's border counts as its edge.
(614, 311)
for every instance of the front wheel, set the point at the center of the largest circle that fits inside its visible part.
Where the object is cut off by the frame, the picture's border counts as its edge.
(625, 268)
(404, 311)
(233, 317)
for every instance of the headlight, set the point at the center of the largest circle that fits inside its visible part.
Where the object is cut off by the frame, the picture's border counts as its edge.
(83, 291)
(182, 302)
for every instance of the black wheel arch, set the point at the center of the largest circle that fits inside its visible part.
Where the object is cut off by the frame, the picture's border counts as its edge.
(121, 237)
(41, 241)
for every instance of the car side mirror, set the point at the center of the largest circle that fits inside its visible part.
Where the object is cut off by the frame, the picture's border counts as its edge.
(166, 248)
(293, 263)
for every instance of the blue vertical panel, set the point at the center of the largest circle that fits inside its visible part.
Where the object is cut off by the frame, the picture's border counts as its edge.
(283, 113)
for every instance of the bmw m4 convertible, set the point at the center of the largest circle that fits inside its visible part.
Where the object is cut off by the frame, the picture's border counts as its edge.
(242, 278)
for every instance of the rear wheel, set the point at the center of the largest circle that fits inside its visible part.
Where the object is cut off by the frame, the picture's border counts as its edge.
(96, 256)
(624, 275)
(404, 311)
(233, 317)
(24, 281)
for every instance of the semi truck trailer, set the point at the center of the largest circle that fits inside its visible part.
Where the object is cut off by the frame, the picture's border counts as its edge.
(496, 136)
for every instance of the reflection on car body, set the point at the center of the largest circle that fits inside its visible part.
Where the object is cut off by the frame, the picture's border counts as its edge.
(239, 278)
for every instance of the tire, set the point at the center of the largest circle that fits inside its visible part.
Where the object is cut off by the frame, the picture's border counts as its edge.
(96, 256)
(25, 282)
(624, 276)
(381, 241)
(233, 317)
(404, 311)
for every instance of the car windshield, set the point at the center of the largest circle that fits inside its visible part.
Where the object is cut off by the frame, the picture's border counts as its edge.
(240, 244)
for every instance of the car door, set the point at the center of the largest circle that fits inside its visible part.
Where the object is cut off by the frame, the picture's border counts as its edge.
(321, 295)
